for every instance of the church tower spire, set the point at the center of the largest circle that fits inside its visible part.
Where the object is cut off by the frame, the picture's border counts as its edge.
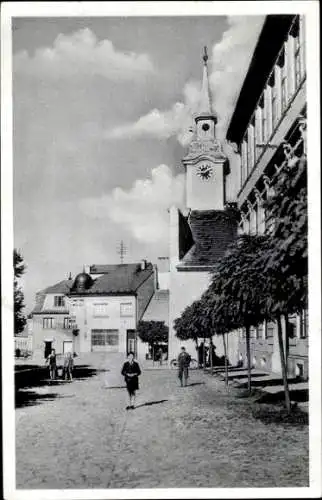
(205, 99)
(205, 161)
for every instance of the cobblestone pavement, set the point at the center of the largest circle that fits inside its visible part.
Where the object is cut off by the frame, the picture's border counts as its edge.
(79, 435)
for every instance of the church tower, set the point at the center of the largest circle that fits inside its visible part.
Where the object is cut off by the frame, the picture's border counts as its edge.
(205, 162)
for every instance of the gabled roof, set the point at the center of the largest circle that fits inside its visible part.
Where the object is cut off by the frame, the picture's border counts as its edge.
(117, 279)
(158, 308)
(63, 287)
(212, 231)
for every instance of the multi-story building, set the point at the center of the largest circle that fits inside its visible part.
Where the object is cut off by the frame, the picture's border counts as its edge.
(97, 311)
(268, 125)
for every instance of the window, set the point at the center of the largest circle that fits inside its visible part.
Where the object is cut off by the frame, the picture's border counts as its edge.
(270, 329)
(48, 323)
(282, 64)
(299, 49)
(244, 167)
(263, 118)
(66, 323)
(292, 326)
(268, 111)
(100, 309)
(250, 149)
(253, 332)
(126, 309)
(260, 219)
(105, 338)
(59, 301)
(260, 331)
(275, 113)
(304, 328)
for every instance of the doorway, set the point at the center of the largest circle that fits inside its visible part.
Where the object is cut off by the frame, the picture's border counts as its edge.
(67, 346)
(131, 341)
(48, 348)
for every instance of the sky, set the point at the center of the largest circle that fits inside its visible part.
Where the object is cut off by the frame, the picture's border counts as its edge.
(102, 109)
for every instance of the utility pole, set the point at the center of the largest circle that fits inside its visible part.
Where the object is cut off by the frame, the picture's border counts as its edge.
(122, 251)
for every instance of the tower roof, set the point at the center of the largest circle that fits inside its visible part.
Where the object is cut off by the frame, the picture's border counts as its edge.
(205, 108)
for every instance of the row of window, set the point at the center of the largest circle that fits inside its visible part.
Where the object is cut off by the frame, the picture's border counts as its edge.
(297, 327)
(282, 84)
(99, 310)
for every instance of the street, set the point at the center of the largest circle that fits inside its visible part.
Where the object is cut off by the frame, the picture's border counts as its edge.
(79, 435)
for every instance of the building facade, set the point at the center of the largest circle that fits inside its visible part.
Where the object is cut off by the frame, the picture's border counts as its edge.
(97, 311)
(269, 127)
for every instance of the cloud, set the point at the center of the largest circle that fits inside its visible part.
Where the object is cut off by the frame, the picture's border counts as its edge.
(81, 54)
(163, 124)
(142, 209)
(229, 63)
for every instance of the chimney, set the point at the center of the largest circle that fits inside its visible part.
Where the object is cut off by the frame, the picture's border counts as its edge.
(143, 264)
(163, 273)
(156, 279)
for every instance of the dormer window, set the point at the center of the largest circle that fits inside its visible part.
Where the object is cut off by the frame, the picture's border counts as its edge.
(59, 301)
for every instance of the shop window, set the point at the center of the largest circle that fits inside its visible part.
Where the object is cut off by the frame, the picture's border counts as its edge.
(104, 338)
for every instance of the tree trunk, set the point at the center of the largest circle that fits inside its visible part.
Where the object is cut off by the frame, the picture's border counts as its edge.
(287, 343)
(211, 357)
(204, 355)
(226, 364)
(249, 361)
(284, 374)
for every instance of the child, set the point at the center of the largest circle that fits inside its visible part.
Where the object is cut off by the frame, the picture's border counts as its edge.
(131, 372)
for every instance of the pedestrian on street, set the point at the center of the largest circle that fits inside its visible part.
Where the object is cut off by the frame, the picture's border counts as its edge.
(68, 366)
(160, 355)
(183, 366)
(131, 372)
(51, 360)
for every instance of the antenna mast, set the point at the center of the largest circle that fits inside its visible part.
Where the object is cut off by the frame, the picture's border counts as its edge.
(122, 251)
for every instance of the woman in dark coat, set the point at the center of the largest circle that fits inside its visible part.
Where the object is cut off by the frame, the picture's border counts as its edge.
(131, 372)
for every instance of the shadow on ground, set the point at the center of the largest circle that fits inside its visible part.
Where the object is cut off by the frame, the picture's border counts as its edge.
(150, 403)
(32, 398)
(277, 414)
(195, 383)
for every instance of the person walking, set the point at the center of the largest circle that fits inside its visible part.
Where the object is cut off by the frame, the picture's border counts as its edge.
(68, 366)
(131, 372)
(183, 366)
(51, 360)
(160, 355)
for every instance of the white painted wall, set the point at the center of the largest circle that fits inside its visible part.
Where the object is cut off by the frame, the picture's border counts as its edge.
(205, 194)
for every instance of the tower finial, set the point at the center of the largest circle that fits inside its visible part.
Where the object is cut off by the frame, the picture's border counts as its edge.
(205, 100)
(205, 55)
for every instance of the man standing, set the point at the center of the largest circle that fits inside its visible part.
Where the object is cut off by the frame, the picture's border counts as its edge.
(183, 366)
(51, 360)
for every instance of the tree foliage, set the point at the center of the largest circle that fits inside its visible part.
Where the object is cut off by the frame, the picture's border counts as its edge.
(194, 323)
(152, 332)
(19, 269)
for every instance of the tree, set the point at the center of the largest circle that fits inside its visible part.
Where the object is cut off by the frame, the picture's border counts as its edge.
(193, 323)
(235, 295)
(285, 256)
(19, 269)
(152, 332)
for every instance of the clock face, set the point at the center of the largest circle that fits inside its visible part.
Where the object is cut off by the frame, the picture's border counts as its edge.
(205, 172)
